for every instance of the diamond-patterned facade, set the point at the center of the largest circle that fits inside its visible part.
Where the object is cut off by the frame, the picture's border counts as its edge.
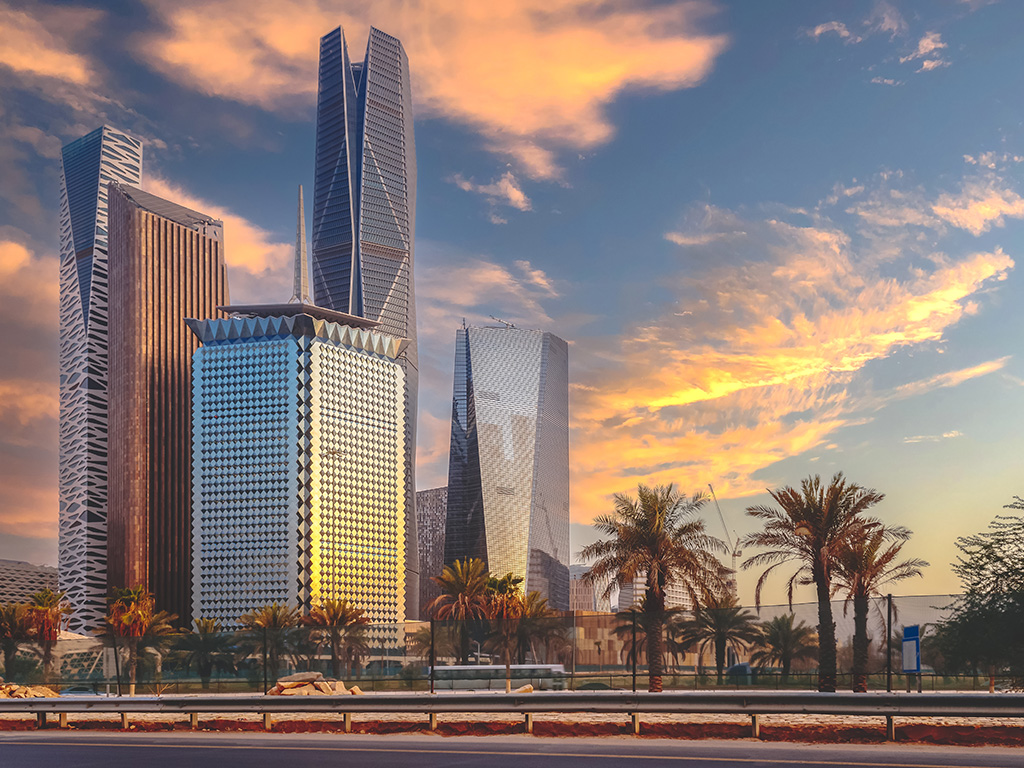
(298, 467)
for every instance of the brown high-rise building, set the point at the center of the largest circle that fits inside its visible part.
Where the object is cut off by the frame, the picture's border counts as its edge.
(166, 264)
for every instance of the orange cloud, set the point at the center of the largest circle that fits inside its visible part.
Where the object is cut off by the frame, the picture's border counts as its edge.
(981, 204)
(29, 46)
(533, 76)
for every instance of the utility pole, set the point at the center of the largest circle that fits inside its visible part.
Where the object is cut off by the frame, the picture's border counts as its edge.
(888, 645)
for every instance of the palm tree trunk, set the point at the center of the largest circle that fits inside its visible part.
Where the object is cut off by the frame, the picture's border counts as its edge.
(719, 657)
(336, 654)
(786, 663)
(655, 643)
(826, 634)
(860, 644)
(10, 651)
(133, 663)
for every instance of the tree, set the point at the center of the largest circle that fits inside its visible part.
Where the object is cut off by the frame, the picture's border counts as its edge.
(208, 647)
(505, 608)
(864, 565)
(539, 627)
(336, 620)
(986, 628)
(809, 529)
(48, 610)
(721, 624)
(15, 630)
(463, 598)
(131, 616)
(657, 536)
(267, 631)
(781, 643)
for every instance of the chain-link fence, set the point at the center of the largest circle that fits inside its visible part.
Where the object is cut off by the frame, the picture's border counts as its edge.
(580, 651)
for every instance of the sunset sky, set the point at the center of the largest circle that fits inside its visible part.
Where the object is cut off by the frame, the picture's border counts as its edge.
(781, 238)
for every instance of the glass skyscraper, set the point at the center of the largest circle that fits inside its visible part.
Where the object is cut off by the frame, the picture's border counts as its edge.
(88, 165)
(508, 469)
(364, 212)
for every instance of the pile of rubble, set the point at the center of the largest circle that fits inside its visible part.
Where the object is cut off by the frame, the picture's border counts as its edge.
(15, 691)
(311, 684)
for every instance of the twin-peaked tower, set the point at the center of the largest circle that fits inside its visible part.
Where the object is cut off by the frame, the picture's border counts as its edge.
(364, 214)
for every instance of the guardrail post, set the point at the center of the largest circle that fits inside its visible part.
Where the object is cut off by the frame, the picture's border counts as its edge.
(890, 728)
(268, 721)
(755, 727)
(635, 716)
(347, 720)
(62, 720)
(433, 721)
(528, 719)
(193, 721)
(40, 720)
(124, 721)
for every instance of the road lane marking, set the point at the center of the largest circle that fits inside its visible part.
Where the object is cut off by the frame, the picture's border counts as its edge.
(490, 753)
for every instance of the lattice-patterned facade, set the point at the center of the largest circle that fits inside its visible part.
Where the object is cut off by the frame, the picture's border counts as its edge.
(431, 511)
(298, 467)
(508, 469)
(88, 165)
(364, 211)
(18, 580)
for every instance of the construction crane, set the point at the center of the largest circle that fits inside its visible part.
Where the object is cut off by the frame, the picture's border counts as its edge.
(734, 546)
(506, 323)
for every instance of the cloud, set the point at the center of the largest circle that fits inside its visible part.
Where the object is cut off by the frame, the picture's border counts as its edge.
(933, 438)
(702, 238)
(34, 48)
(534, 77)
(929, 64)
(505, 191)
(886, 81)
(927, 46)
(981, 204)
(772, 356)
(834, 27)
(885, 17)
(250, 250)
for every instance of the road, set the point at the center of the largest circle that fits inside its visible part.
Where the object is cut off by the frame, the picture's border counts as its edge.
(222, 750)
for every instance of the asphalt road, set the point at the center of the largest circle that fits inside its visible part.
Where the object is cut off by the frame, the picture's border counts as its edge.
(183, 750)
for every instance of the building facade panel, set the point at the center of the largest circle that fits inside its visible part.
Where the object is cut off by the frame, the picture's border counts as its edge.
(19, 580)
(298, 485)
(166, 265)
(364, 212)
(88, 165)
(509, 467)
(431, 511)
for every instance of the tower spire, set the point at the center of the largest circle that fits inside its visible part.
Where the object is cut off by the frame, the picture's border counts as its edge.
(300, 288)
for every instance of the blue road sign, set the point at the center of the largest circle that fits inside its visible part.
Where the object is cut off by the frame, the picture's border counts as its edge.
(912, 649)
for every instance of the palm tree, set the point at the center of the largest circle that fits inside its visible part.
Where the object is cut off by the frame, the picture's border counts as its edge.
(209, 648)
(657, 536)
(538, 627)
(267, 631)
(15, 629)
(781, 643)
(863, 567)
(335, 619)
(809, 529)
(463, 598)
(505, 607)
(131, 616)
(721, 624)
(47, 609)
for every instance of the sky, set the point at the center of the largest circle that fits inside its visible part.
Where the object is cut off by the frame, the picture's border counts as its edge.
(780, 238)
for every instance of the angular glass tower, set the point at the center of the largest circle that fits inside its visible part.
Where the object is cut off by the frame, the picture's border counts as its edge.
(364, 212)
(508, 469)
(88, 165)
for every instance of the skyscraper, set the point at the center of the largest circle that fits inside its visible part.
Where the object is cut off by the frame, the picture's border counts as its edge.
(431, 510)
(166, 264)
(88, 165)
(298, 461)
(508, 469)
(364, 212)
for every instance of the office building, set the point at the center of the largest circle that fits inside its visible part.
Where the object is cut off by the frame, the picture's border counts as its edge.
(166, 265)
(631, 595)
(298, 461)
(508, 468)
(581, 590)
(431, 510)
(18, 580)
(364, 212)
(88, 165)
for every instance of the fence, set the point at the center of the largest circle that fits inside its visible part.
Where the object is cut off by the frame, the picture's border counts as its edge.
(595, 651)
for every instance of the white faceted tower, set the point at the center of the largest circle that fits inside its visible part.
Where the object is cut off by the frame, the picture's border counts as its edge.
(88, 165)
(508, 469)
